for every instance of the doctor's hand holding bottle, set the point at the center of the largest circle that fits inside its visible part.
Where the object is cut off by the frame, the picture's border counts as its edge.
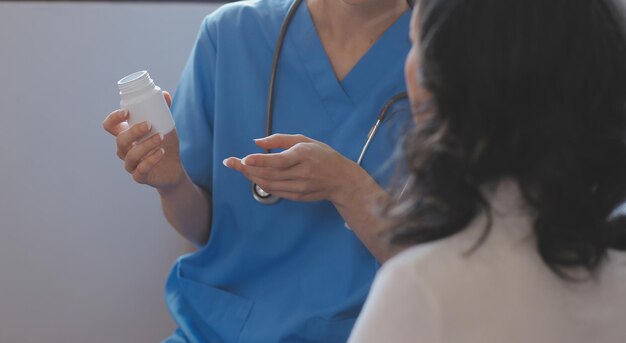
(155, 161)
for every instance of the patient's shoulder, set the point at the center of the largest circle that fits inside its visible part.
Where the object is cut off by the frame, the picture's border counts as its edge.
(493, 238)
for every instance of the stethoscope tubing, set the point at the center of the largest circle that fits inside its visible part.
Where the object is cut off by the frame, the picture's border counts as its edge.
(257, 192)
(381, 117)
(269, 112)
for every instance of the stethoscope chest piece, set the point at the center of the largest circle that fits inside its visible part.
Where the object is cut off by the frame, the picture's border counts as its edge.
(262, 196)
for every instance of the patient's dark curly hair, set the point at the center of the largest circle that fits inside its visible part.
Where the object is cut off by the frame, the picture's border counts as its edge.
(532, 90)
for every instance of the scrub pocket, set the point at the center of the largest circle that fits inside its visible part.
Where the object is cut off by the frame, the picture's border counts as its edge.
(219, 315)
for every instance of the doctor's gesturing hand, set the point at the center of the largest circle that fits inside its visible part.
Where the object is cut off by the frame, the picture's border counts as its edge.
(306, 170)
(309, 170)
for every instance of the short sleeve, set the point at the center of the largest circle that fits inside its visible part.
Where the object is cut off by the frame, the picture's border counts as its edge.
(192, 109)
(398, 310)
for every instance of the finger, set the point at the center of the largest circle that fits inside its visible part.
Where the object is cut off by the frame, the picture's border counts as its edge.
(168, 98)
(282, 160)
(144, 168)
(125, 139)
(140, 151)
(270, 174)
(276, 187)
(288, 189)
(112, 123)
(281, 141)
(295, 196)
(233, 163)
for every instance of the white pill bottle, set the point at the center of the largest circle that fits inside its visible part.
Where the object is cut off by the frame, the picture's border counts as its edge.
(145, 102)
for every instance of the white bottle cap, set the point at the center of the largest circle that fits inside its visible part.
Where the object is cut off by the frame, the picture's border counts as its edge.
(134, 82)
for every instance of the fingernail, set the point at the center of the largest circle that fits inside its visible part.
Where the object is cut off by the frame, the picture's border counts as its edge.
(161, 136)
(123, 113)
(259, 139)
(225, 163)
(148, 126)
(162, 151)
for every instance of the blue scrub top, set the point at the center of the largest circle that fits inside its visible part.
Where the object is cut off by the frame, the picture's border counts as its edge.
(289, 272)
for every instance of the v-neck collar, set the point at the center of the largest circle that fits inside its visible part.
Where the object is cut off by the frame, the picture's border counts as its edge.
(363, 76)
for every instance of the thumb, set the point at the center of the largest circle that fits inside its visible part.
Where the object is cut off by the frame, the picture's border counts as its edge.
(281, 141)
(168, 98)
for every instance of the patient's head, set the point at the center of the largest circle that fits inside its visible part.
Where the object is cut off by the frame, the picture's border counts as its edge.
(533, 90)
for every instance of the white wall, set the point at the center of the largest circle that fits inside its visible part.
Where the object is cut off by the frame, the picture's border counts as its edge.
(84, 251)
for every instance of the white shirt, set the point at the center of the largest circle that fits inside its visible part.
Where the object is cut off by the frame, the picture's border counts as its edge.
(503, 292)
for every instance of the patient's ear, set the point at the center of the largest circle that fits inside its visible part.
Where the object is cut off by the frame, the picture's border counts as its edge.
(423, 110)
(422, 104)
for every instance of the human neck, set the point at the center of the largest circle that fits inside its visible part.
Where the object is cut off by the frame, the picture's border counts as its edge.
(341, 20)
(347, 30)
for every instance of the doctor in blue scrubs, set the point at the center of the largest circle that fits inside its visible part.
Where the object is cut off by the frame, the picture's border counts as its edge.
(297, 270)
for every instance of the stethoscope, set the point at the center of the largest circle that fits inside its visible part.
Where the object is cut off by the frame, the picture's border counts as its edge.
(257, 192)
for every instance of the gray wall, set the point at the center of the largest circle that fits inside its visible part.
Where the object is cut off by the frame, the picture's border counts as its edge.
(84, 251)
